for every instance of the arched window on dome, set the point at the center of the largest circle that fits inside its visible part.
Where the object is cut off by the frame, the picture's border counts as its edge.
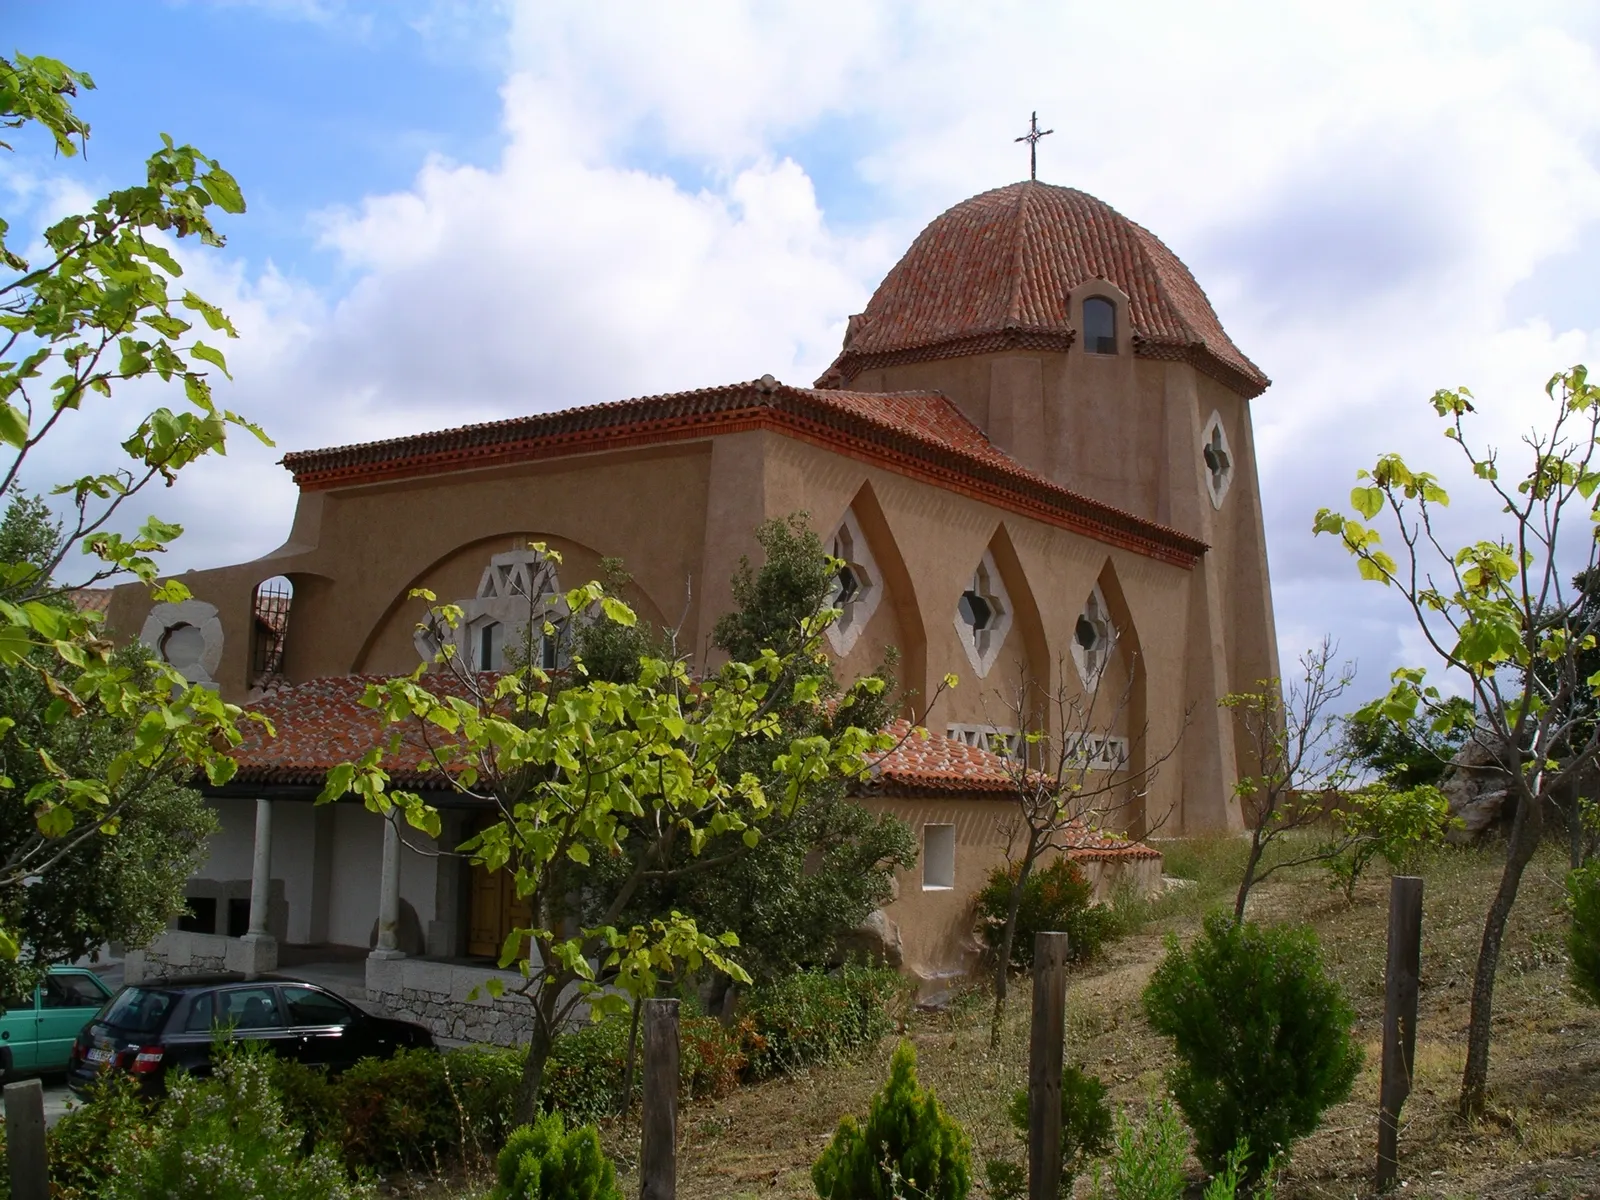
(1099, 325)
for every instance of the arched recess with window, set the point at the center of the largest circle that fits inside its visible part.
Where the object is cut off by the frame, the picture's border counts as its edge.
(1007, 674)
(896, 618)
(1099, 312)
(1107, 668)
(270, 609)
(457, 577)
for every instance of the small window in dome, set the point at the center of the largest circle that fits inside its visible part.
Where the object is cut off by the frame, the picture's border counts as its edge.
(1099, 325)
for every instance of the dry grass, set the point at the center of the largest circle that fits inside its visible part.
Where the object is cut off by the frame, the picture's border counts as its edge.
(1540, 1139)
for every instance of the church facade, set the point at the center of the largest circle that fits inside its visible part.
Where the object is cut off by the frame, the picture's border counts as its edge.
(1033, 453)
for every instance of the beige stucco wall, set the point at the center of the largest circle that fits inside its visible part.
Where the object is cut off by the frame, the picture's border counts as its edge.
(681, 515)
(938, 930)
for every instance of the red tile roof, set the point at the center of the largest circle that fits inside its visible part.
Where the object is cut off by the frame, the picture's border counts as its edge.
(321, 723)
(90, 599)
(995, 271)
(921, 434)
(929, 764)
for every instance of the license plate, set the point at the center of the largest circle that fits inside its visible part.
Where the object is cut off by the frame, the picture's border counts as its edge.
(98, 1054)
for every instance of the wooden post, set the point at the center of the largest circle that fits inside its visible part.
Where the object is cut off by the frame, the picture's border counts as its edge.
(1045, 1047)
(658, 1152)
(1399, 1019)
(30, 1177)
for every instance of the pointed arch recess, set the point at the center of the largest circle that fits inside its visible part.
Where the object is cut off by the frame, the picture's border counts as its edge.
(901, 595)
(1026, 620)
(1127, 649)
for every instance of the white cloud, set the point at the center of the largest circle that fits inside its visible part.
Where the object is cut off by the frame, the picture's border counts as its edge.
(1361, 188)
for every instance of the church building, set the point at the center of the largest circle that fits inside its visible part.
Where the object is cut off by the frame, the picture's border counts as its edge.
(1034, 454)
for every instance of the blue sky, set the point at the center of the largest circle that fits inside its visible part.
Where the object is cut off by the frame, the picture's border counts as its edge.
(465, 211)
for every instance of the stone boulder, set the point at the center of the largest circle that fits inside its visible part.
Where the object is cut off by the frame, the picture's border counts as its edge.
(1477, 786)
(877, 938)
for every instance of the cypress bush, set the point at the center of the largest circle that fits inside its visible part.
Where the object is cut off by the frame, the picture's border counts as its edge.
(908, 1146)
(1262, 1036)
(1056, 898)
(1583, 937)
(546, 1161)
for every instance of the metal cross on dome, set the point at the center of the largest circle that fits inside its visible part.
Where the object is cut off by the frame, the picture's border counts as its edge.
(1032, 138)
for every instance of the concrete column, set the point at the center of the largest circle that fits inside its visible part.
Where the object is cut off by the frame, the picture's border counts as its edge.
(389, 891)
(257, 950)
(261, 872)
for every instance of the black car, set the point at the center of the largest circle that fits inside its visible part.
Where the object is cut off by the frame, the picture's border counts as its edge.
(152, 1029)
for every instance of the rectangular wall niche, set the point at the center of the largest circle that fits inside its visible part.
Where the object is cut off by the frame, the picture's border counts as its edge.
(938, 857)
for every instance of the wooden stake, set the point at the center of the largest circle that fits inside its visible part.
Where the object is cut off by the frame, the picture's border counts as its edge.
(1045, 1047)
(658, 1152)
(30, 1175)
(1399, 1019)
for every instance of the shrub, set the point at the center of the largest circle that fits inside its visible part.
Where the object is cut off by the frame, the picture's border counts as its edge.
(1583, 937)
(224, 1138)
(907, 1146)
(1381, 822)
(812, 1017)
(1056, 898)
(583, 1076)
(483, 1084)
(398, 1112)
(1262, 1036)
(98, 1142)
(543, 1161)
(1146, 1158)
(1085, 1121)
(1230, 1182)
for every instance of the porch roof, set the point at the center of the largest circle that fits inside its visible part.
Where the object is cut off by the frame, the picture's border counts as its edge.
(322, 723)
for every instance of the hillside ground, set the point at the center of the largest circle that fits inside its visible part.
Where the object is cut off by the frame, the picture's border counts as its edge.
(1541, 1136)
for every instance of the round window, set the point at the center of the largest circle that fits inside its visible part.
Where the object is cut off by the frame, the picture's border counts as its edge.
(182, 645)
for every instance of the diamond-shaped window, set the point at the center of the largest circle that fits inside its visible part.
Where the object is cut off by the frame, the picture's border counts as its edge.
(1218, 459)
(983, 615)
(856, 587)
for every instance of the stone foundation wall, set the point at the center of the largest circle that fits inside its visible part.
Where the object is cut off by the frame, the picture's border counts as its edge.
(436, 996)
(176, 953)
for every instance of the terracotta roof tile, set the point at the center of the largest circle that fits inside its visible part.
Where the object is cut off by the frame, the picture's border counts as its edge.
(96, 600)
(930, 763)
(917, 433)
(321, 723)
(996, 271)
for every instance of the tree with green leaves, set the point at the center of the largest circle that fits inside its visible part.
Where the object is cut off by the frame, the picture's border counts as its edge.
(95, 311)
(91, 889)
(819, 870)
(1491, 611)
(577, 770)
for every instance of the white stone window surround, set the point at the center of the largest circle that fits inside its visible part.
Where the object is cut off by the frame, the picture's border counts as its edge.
(938, 857)
(516, 588)
(1094, 638)
(1216, 457)
(187, 635)
(1101, 752)
(858, 587)
(998, 739)
(983, 627)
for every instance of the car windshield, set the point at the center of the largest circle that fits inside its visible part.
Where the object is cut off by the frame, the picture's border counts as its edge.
(139, 1010)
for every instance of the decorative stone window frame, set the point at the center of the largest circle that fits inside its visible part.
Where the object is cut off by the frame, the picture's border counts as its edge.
(169, 620)
(997, 739)
(1091, 660)
(1105, 290)
(505, 588)
(850, 544)
(1218, 474)
(983, 645)
(1101, 752)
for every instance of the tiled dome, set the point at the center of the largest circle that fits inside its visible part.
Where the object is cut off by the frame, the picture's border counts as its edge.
(995, 272)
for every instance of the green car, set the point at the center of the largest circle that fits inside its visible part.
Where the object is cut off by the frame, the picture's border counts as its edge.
(37, 1032)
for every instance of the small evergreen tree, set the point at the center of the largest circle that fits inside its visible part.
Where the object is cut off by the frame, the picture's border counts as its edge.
(1262, 1035)
(1085, 1132)
(546, 1161)
(907, 1148)
(1583, 938)
(1056, 897)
